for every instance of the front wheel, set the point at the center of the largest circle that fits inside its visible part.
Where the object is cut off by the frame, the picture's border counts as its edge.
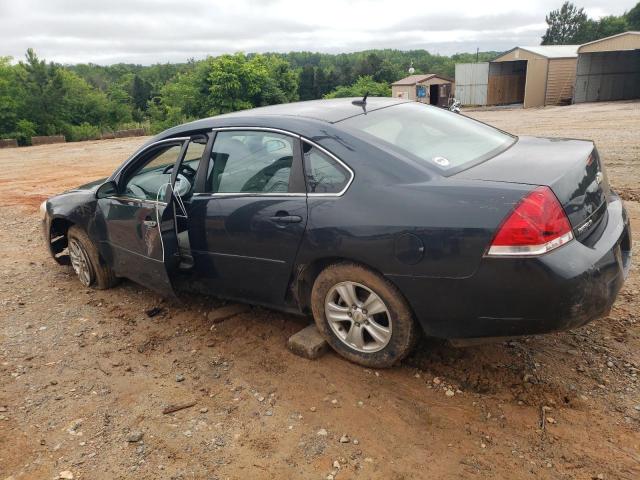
(362, 316)
(85, 260)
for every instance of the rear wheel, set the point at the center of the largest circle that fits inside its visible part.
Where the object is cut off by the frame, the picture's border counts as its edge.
(85, 261)
(362, 316)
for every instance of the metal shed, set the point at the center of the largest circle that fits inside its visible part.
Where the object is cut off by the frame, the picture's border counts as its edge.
(471, 83)
(609, 69)
(428, 88)
(534, 76)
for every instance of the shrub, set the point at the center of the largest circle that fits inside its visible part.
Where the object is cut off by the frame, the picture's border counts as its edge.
(84, 131)
(24, 131)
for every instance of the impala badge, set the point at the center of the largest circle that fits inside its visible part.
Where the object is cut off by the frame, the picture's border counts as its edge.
(582, 228)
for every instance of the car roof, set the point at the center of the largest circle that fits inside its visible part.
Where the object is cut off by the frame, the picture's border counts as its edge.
(328, 111)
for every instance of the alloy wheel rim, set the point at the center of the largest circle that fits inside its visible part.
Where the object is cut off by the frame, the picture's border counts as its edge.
(358, 317)
(80, 262)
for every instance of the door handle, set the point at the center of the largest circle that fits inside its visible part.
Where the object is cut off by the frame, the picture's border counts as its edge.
(150, 223)
(287, 218)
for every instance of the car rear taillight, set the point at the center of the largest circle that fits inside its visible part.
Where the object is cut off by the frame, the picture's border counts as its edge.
(537, 225)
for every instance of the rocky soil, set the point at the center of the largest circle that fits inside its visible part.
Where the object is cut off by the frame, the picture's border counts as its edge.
(121, 384)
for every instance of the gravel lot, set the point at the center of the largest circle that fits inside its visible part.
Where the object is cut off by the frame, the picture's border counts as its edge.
(85, 375)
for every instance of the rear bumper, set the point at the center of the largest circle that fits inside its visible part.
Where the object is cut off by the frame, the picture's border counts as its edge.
(563, 289)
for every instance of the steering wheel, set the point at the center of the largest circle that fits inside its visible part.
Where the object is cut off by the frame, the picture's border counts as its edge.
(184, 169)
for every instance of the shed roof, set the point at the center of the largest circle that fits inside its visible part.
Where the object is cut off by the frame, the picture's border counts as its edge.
(549, 51)
(415, 79)
(621, 41)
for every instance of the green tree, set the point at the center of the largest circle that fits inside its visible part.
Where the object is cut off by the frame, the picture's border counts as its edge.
(141, 91)
(611, 25)
(225, 84)
(633, 18)
(43, 93)
(12, 97)
(387, 72)
(320, 83)
(564, 25)
(368, 65)
(361, 87)
(306, 84)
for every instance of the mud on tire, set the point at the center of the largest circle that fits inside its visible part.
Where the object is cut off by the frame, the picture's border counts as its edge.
(102, 275)
(404, 331)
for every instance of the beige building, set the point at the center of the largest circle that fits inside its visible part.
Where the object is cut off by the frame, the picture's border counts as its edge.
(609, 69)
(534, 76)
(429, 88)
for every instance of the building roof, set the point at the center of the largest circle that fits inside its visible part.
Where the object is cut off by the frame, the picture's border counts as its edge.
(549, 51)
(617, 43)
(415, 79)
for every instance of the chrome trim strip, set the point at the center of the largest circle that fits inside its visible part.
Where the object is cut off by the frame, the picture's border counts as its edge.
(305, 139)
(130, 251)
(248, 194)
(133, 199)
(344, 165)
(264, 129)
(233, 255)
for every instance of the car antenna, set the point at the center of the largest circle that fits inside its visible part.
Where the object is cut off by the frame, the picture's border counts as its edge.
(362, 103)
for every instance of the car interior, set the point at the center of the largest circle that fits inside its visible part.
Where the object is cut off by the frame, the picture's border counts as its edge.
(250, 162)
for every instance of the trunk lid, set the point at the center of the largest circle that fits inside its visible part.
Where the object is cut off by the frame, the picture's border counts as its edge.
(571, 168)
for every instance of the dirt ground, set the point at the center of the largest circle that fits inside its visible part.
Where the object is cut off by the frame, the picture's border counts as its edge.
(85, 375)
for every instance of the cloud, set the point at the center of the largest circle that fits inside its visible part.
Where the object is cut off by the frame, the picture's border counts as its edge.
(148, 31)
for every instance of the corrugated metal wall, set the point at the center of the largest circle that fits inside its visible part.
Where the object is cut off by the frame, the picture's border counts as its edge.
(561, 78)
(605, 76)
(471, 83)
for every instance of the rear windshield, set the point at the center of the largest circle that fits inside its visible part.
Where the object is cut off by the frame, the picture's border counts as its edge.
(448, 141)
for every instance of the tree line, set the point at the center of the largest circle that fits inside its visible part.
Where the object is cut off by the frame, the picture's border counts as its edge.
(86, 100)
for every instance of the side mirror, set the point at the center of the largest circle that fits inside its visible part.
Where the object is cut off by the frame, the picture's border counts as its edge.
(107, 189)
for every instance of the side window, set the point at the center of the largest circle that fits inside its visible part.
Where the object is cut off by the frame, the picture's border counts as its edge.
(146, 181)
(324, 174)
(186, 177)
(194, 152)
(251, 162)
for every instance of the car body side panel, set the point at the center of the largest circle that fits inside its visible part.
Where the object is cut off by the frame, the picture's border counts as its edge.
(454, 224)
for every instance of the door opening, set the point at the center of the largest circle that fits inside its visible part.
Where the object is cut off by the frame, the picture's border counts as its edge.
(434, 94)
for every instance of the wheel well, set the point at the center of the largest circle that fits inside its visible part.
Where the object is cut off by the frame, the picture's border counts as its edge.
(60, 227)
(58, 238)
(307, 274)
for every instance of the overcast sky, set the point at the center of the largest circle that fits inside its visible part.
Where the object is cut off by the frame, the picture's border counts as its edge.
(150, 31)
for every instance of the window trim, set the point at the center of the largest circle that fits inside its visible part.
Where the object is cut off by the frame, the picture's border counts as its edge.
(301, 138)
(296, 153)
(340, 162)
(116, 176)
(183, 142)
